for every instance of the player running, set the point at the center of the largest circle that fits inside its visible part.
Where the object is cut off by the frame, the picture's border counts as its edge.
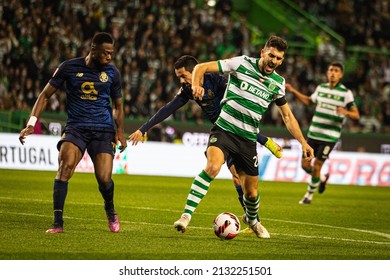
(334, 102)
(252, 86)
(214, 85)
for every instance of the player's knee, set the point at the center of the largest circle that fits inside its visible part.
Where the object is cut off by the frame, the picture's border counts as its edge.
(65, 170)
(104, 181)
(213, 169)
(318, 164)
(251, 195)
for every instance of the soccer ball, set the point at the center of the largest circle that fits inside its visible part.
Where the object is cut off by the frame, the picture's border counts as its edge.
(226, 225)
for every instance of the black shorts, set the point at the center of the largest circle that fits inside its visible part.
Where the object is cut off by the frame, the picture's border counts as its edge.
(94, 141)
(237, 150)
(321, 149)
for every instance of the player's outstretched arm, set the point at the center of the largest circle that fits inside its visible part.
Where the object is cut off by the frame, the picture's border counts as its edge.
(299, 95)
(161, 115)
(293, 127)
(39, 106)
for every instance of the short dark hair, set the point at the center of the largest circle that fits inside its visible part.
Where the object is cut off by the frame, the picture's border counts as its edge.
(276, 42)
(337, 64)
(186, 61)
(100, 38)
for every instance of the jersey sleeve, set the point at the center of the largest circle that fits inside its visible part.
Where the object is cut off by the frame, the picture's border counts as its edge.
(230, 65)
(314, 95)
(349, 97)
(281, 91)
(165, 112)
(116, 87)
(59, 76)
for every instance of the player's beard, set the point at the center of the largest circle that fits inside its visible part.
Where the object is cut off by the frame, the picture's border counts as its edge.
(98, 64)
(269, 66)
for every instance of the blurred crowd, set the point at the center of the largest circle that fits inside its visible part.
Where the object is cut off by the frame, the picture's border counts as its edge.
(37, 35)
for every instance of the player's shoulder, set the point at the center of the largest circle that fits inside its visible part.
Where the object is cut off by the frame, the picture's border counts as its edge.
(239, 59)
(277, 77)
(214, 77)
(342, 87)
(72, 63)
(112, 67)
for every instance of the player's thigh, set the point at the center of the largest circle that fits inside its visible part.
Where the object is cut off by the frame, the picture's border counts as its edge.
(103, 164)
(215, 160)
(68, 158)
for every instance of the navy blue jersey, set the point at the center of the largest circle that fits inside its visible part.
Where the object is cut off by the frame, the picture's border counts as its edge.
(88, 92)
(214, 85)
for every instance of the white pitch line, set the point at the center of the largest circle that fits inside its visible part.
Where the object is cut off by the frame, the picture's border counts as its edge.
(386, 235)
(209, 228)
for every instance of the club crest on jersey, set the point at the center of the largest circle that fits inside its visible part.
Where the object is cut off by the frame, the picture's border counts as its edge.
(79, 75)
(213, 139)
(103, 77)
(271, 86)
(210, 93)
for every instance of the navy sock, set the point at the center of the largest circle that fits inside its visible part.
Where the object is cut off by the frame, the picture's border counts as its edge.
(60, 191)
(240, 196)
(262, 139)
(108, 195)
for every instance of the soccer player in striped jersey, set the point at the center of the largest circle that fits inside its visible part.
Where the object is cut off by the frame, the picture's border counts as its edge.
(214, 85)
(90, 83)
(334, 102)
(252, 86)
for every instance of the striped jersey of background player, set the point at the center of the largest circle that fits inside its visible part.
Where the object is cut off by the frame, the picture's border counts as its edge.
(334, 102)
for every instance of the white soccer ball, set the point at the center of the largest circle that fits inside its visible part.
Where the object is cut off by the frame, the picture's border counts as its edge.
(226, 225)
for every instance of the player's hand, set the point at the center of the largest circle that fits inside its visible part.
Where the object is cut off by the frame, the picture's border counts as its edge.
(308, 152)
(25, 132)
(120, 137)
(136, 136)
(341, 111)
(197, 92)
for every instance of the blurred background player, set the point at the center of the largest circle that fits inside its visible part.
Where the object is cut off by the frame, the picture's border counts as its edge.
(252, 86)
(214, 85)
(334, 103)
(90, 83)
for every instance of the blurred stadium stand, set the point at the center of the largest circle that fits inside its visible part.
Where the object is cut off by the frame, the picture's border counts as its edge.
(36, 35)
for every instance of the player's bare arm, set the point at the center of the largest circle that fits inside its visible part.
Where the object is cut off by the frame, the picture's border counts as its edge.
(38, 108)
(353, 113)
(299, 95)
(119, 121)
(295, 130)
(197, 77)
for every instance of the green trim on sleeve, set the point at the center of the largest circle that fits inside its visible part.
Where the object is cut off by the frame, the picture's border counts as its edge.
(220, 67)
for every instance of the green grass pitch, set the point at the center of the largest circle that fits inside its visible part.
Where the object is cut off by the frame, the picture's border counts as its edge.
(344, 223)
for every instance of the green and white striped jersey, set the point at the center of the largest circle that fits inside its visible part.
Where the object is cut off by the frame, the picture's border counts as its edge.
(248, 94)
(326, 124)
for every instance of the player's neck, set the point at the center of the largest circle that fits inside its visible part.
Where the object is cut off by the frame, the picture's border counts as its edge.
(88, 61)
(333, 84)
